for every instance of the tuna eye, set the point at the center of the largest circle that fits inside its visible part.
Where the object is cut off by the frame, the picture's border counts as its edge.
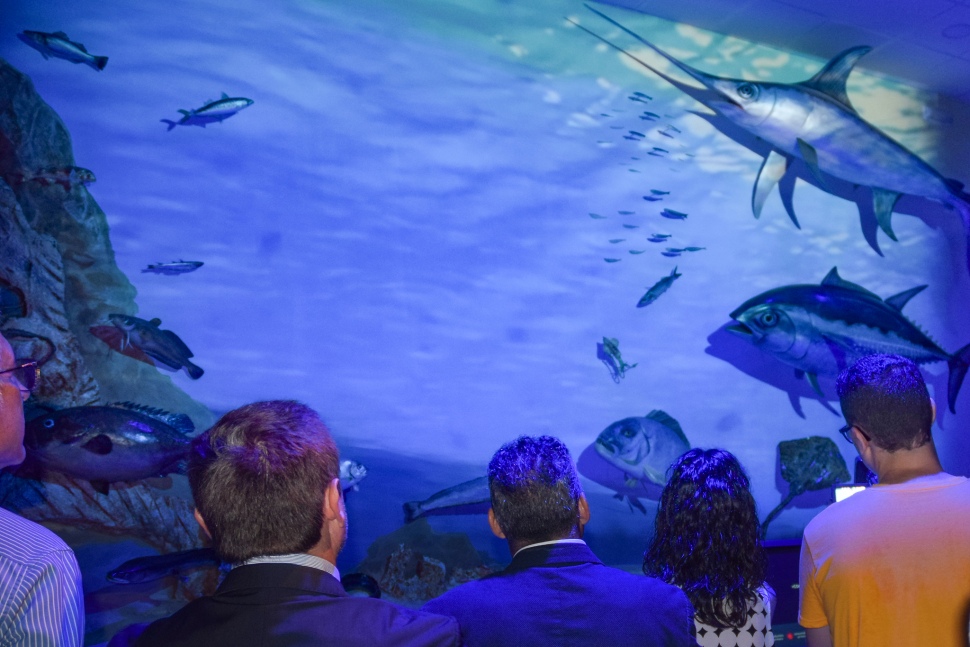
(747, 91)
(49, 423)
(769, 319)
(629, 433)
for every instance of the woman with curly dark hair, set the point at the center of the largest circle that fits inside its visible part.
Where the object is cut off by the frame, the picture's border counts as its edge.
(706, 542)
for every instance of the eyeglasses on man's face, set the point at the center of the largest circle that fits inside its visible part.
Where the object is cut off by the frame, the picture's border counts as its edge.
(847, 428)
(25, 374)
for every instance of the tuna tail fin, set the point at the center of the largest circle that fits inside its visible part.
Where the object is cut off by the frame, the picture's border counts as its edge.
(99, 62)
(412, 510)
(193, 371)
(958, 364)
(171, 124)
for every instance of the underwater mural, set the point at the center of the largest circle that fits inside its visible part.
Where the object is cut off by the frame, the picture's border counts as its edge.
(420, 219)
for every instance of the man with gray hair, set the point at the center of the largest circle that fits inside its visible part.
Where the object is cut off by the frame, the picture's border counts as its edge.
(889, 566)
(41, 601)
(555, 591)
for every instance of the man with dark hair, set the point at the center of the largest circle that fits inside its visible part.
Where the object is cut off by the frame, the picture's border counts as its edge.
(41, 601)
(555, 591)
(890, 565)
(266, 488)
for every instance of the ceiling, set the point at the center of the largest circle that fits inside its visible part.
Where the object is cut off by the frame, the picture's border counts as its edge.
(923, 41)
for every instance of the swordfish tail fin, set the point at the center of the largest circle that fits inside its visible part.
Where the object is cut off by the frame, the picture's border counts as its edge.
(958, 364)
(171, 124)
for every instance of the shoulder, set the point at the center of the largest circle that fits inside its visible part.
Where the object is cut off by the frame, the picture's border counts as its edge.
(23, 540)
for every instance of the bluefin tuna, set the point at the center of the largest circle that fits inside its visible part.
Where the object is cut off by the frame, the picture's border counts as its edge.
(658, 288)
(470, 493)
(643, 447)
(104, 444)
(59, 45)
(163, 346)
(822, 329)
(815, 121)
(210, 112)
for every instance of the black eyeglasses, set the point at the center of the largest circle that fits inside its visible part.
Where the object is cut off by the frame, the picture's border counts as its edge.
(26, 374)
(845, 432)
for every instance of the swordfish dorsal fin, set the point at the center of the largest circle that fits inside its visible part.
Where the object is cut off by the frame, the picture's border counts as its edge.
(897, 301)
(830, 80)
(833, 279)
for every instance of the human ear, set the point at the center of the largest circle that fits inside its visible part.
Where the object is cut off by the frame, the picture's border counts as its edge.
(199, 520)
(493, 524)
(331, 501)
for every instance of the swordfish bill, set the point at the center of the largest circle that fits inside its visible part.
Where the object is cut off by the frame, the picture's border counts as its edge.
(815, 121)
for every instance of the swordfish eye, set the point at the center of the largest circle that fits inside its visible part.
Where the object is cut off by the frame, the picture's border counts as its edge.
(748, 91)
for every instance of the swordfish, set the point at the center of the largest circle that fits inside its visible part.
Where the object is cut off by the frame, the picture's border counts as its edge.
(814, 121)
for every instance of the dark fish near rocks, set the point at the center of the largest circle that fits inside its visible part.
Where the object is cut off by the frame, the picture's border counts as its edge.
(464, 494)
(163, 346)
(155, 567)
(658, 288)
(643, 447)
(822, 329)
(174, 268)
(361, 585)
(64, 176)
(104, 444)
(211, 112)
(59, 45)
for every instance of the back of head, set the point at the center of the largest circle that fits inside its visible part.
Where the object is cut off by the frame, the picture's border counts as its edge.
(886, 397)
(706, 537)
(535, 489)
(258, 477)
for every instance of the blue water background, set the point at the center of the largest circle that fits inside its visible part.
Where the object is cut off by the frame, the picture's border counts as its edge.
(398, 231)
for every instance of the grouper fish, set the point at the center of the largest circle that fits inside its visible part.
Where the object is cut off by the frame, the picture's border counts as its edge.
(643, 447)
(163, 346)
(822, 329)
(814, 121)
(104, 444)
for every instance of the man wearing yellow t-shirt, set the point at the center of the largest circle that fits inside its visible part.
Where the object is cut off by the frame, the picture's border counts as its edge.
(889, 566)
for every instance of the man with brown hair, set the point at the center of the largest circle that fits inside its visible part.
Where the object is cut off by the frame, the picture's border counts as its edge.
(889, 566)
(266, 488)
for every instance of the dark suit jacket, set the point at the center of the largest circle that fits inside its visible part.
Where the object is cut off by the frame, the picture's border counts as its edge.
(563, 595)
(285, 605)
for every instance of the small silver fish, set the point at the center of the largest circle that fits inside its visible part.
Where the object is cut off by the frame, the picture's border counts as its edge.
(59, 45)
(673, 215)
(210, 112)
(351, 473)
(658, 288)
(174, 268)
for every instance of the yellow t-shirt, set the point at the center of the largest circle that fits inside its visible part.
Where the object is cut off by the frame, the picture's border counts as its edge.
(890, 566)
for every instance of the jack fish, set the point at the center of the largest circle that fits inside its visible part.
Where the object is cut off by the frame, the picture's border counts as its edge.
(814, 121)
(104, 444)
(59, 45)
(464, 494)
(163, 346)
(210, 112)
(643, 447)
(822, 329)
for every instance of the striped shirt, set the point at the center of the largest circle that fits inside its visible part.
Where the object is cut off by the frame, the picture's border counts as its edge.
(41, 601)
(300, 559)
